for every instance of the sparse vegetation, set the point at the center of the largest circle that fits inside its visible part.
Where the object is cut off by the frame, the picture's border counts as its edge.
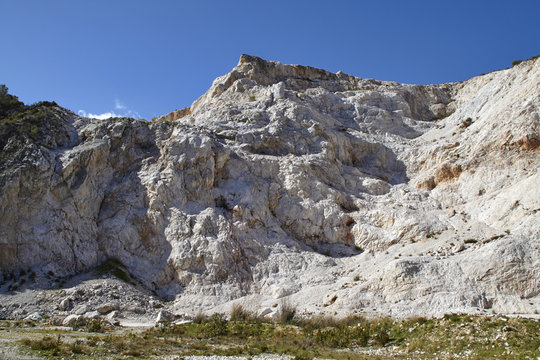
(353, 337)
(446, 114)
(25, 121)
(25, 125)
(286, 313)
(8, 103)
(466, 123)
(199, 318)
(216, 325)
(48, 344)
(252, 98)
(238, 313)
(95, 325)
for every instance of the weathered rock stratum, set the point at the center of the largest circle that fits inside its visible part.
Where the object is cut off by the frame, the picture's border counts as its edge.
(287, 184)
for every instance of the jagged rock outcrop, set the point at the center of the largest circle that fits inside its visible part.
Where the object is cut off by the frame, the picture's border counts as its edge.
(286, 182)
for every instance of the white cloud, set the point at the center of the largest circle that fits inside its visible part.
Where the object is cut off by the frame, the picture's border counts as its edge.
(118, 105)
(103, 116)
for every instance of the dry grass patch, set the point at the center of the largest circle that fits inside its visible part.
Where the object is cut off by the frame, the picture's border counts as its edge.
(354, 337)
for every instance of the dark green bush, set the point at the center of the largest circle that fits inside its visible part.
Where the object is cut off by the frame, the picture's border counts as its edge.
(8, 103)
(342, 336)
(216, 325)
(380, 332)
(95, 325)
(516, 62)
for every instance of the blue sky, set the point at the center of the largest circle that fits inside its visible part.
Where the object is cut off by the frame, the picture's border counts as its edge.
(147, 58)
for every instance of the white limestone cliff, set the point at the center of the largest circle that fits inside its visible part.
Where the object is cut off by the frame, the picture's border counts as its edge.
(286, 183)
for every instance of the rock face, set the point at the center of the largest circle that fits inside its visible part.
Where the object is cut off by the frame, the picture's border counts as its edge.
(286, 183)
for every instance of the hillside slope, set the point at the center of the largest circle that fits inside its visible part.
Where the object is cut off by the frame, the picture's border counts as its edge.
(290, 184)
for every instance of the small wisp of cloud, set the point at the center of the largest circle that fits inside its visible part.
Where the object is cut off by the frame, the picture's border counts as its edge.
(120, 110)
(119, 105)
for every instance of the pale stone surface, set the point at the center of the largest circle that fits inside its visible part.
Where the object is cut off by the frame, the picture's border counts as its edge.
(64, 304)
(92, 315)
(113, 315)
(164, 316)
(36, 316)
(286, 183)
(107, 308)
(73, 319)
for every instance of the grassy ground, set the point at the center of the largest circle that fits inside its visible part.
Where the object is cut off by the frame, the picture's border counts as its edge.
(451, 337)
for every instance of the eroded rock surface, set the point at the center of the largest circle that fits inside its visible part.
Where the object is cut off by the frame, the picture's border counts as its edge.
(290, 184)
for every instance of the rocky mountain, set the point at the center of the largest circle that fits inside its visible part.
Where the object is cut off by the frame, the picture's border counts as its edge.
(287, 184)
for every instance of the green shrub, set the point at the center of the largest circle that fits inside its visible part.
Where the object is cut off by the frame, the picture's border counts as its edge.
(48, 345)
(380, 331)
(216, 325)
(95, 325)
(342, 336)
(77, 347)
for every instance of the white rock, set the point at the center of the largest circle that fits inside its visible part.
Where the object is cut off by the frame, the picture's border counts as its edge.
(81, 309)
(164, 316)
(107, 308)
(113, 315)
(284, 181)
(92, 315)
(72, 319)
(264, 312)
(35, 316)
(65, 304)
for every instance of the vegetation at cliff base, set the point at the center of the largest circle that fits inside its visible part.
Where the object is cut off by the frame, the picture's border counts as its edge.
(354, 337)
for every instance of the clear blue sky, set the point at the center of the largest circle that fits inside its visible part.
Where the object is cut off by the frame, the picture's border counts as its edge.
(151, 57)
